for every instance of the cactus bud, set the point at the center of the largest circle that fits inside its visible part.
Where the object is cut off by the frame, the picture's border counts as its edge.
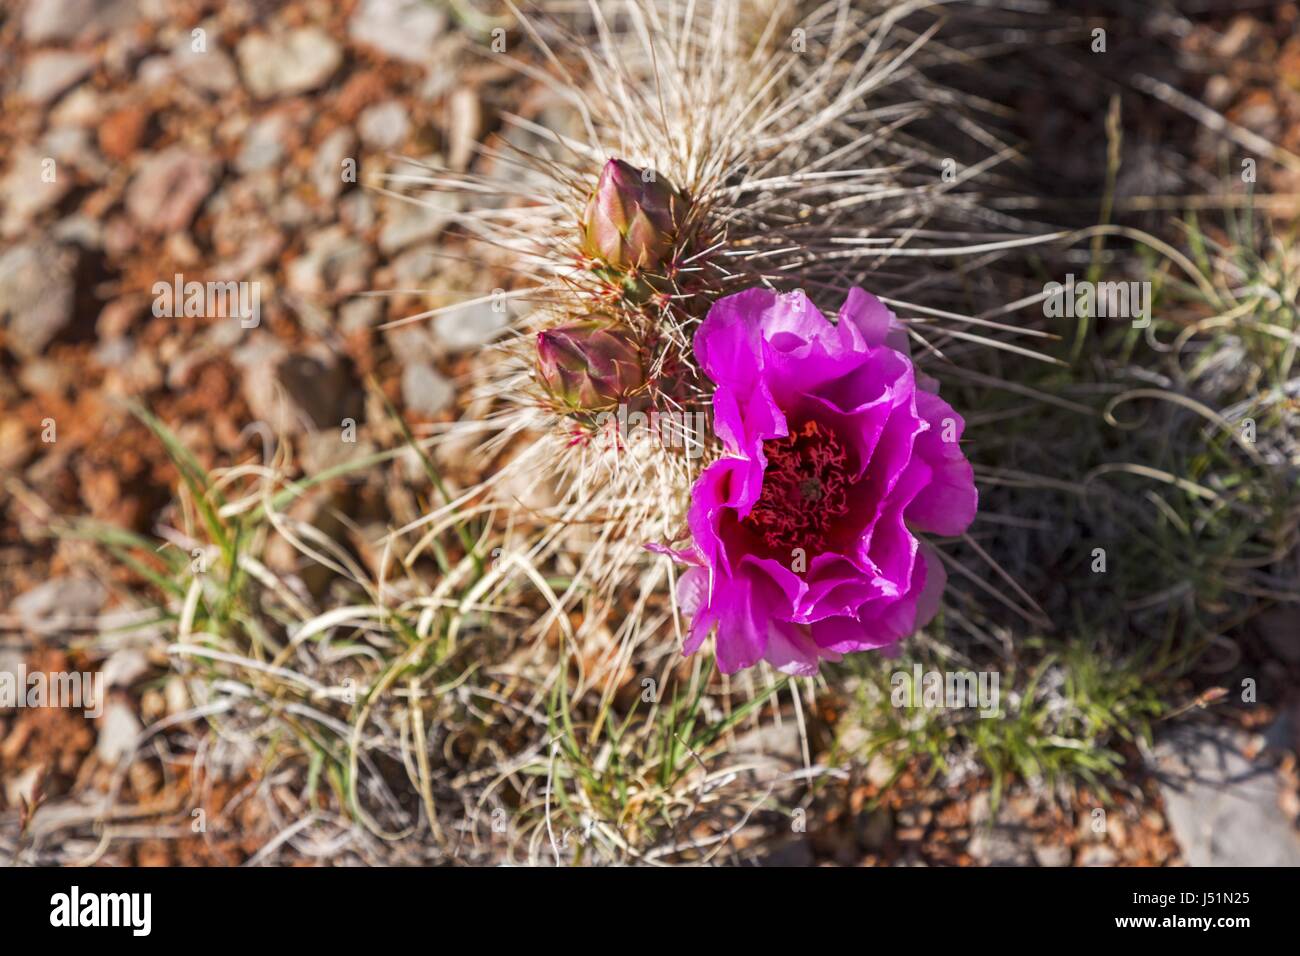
(632, 219)
(589, 364)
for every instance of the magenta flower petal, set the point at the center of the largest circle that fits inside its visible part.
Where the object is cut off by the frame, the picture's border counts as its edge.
(804, 533)
(866, 316)
(693, 599)
(946, 505)
(791, 650)
(936, 579)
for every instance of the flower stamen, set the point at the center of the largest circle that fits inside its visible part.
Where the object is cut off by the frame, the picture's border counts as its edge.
(805, 489)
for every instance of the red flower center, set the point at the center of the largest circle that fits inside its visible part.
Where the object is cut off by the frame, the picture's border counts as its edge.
(805, 490)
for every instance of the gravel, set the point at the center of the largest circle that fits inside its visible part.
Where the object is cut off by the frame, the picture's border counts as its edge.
(405, 29)
(169, 188)
(425, 390)
(37, 294)
(60, 604)
(1222, 805)
(52, 72)
(470, 326)
(385, 125)
(283, 64)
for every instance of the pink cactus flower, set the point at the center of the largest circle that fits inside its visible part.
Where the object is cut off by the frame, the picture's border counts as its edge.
(805, 534)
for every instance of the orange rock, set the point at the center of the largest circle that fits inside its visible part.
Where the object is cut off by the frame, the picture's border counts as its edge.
(122, 131)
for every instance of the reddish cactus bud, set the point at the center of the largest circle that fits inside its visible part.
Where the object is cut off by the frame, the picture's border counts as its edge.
(632, 219)
(589, 364)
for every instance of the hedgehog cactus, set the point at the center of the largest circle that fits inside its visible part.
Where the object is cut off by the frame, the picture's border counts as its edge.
(715, 148)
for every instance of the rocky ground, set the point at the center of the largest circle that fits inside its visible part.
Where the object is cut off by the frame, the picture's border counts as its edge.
(220, 142)
(247, 141)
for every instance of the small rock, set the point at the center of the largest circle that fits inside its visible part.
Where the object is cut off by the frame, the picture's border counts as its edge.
(414, 266)
(384, 125)
(1097, 854)
(874, 828)
(925, 816)
(156, 71)
(357, 211)
(82, 107)
(153, 706)
(1257, 112)
(168, 189)
(37, 294)
(357, 315)
(1218, 91)
(210, 70)
(178, 698)
(124, 667)
(1004, 841)
(60, 604)
(255, 252)
(34, 183)
(411, 343)
(322, 387)
(288, 63)
(53, 72)
(15, 445)
(770, 751)
(470, 326)
(121, 131)
(74, 146)
(119, 236)
(334, 262)
(54, 20)
(119, 729)
(79, 230)
(115, 353)
(297, 392)
(293, 212)
(406, 29)
(361, 89)
(327, 170)
(425, 390)
(1221, 805)
(1117, 831)
(43, 378)
(879, 771)
(263, 145)
(560, 118)
(12, 660)
(1052, 854)
(407, 222)
(1144, 173)
(321, 451)
(256, 360)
